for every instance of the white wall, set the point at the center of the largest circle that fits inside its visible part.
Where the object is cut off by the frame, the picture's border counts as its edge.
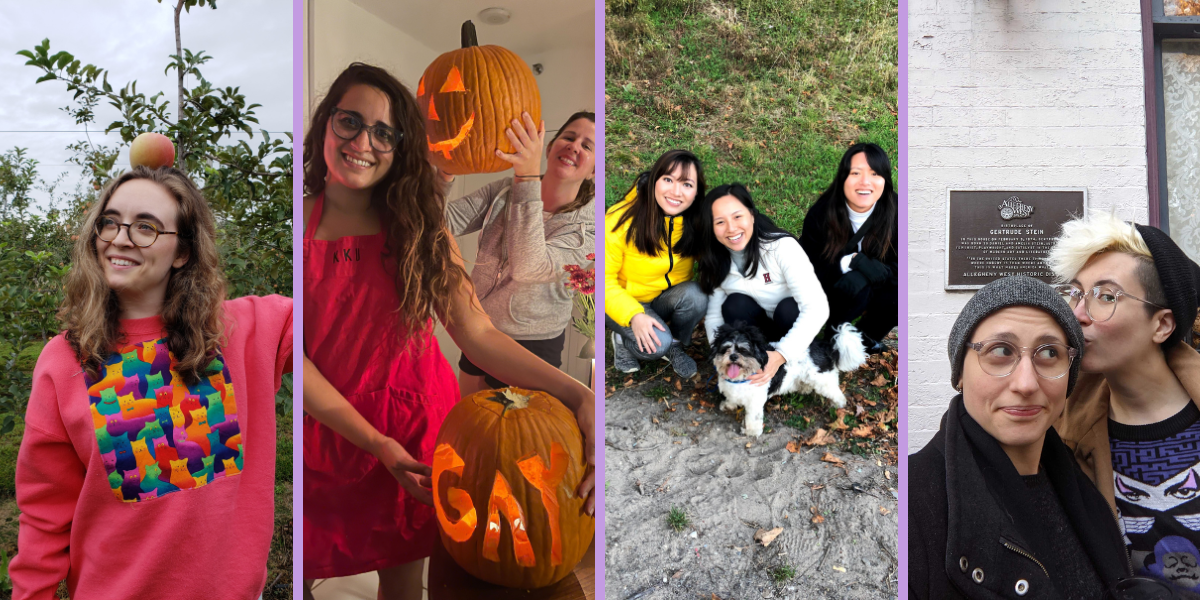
(341, 32)
(1011, 94)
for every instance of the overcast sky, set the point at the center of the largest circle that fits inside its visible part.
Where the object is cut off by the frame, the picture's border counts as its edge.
(250, 42)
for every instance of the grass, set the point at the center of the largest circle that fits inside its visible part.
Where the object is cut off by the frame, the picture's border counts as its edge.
(782, 574)
(768, 94)
(677, 519)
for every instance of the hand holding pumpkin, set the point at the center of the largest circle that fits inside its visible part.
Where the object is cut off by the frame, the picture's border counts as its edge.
(413, 476)
(585, 415)
(527, 141)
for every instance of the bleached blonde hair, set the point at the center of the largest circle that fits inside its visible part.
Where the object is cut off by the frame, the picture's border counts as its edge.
(1101, 232)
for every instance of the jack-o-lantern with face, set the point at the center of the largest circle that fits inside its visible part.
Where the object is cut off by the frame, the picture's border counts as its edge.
(468, 97)
(505, 470)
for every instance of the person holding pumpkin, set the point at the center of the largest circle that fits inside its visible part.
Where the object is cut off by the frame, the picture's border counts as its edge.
(651, 303)
(150, 426)
(532, 226)
(379, 265)
(851, 235)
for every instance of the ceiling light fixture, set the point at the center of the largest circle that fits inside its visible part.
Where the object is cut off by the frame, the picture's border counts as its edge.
(495, 15)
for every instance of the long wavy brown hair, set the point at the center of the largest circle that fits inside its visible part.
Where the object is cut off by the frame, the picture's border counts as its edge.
(191, 313)
(409, 201)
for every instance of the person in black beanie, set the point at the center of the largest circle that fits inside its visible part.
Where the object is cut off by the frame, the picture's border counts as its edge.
(997, 506)
(1133, 421)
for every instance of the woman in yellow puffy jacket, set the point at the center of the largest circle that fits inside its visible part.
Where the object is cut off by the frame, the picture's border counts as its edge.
(651, 303)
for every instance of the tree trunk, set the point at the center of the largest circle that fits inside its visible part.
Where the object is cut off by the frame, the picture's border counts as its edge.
(179, 150)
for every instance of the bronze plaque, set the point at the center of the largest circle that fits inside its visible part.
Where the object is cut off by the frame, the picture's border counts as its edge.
(994, 234)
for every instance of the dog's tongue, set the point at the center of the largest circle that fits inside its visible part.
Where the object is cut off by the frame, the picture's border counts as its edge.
(733, 371)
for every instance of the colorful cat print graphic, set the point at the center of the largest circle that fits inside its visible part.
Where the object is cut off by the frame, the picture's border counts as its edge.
(1157, 485)
(157, 435)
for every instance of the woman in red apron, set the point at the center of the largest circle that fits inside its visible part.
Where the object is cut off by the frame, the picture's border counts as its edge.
(378, 266)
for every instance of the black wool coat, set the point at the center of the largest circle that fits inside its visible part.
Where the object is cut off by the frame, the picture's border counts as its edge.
(970, 533)
(815, 235)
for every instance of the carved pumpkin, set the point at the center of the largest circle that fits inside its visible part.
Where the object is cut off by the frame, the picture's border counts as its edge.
(468, 97)
(505, 470)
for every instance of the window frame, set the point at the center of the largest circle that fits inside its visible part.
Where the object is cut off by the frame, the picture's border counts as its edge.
(1156, 27)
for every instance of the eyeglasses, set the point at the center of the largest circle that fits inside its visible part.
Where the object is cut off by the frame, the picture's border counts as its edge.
(1100, 303)
(999, 358)
(347, 125)
(143, 234)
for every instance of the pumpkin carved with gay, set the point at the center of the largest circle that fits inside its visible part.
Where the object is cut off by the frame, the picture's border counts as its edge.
(505, 470)
(468, 97)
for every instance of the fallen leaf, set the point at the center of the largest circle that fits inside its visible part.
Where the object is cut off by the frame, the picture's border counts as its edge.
(883, 511)
(859, 411)
(792, 447)
(818, 519)
(677, 575)
(628, 382)
(715, 597)
(887, 475)
(839, 422)
(678, 385)
(765, 537)
(879, 381)
(819, 486)
(695, 423)
(689, 406)
(820, 438)
(702, 411)
(748, 444)
(655, 419)
(839, 569)
(863, 430)
(830, 458)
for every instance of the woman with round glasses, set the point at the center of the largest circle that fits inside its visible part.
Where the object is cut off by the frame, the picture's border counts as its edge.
(533, 225)
(379, 266)
(151, 421)
(1133, 421)
(997, 505)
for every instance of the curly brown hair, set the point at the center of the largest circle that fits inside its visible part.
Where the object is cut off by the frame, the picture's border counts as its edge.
(409, 200)
(191, 313)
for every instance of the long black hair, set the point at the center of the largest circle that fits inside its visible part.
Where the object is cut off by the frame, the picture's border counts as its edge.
(877, 241)
(647, 232)
(712, 258)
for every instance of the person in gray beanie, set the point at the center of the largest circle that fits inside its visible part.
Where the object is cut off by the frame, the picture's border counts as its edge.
(997, 505)
(1132, 421)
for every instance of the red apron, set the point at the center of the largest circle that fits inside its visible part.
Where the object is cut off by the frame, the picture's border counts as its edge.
(357, 518)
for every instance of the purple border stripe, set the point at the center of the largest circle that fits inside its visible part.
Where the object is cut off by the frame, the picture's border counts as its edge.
(298, 298)
(598, 17)
(902, 366)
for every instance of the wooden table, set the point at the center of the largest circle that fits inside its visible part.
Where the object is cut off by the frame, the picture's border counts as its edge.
(448, 581)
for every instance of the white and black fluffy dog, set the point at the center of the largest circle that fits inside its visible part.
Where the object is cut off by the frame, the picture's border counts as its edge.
(739, 350)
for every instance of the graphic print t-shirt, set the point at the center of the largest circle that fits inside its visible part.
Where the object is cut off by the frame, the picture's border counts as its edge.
(1156, 476)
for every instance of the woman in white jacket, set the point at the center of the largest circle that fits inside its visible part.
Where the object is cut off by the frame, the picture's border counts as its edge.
(755, 272)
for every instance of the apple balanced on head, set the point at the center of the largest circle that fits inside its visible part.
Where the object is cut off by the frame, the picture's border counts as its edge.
(152, 150)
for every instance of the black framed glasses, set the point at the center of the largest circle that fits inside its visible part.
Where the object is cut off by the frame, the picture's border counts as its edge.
(143, 234)
(999, 358)
(1100, 303)
(348, 125)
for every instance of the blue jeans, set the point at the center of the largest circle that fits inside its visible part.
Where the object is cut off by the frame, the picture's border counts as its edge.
(679, 308)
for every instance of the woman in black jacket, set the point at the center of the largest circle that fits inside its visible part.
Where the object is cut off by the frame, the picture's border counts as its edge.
(998, 508)
(851, 236)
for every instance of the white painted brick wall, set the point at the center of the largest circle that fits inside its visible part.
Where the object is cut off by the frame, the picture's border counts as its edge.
(1010, 94)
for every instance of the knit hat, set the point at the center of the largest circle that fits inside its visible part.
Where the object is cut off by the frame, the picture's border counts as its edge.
(1180, 278)
(1017, 290)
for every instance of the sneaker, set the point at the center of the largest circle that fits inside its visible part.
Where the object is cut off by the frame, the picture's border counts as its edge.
(623, 359)
(683, 364)
(874, 347)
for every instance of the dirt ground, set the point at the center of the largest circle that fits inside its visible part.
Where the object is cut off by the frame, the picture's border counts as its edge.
(839, 524)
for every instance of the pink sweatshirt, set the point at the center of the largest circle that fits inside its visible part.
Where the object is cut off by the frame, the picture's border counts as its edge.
(138, 486)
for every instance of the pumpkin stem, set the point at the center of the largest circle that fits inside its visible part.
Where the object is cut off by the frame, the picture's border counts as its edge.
(468, 35)
(510, 399)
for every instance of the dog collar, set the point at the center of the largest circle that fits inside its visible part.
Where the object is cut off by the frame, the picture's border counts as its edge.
(737, 382)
